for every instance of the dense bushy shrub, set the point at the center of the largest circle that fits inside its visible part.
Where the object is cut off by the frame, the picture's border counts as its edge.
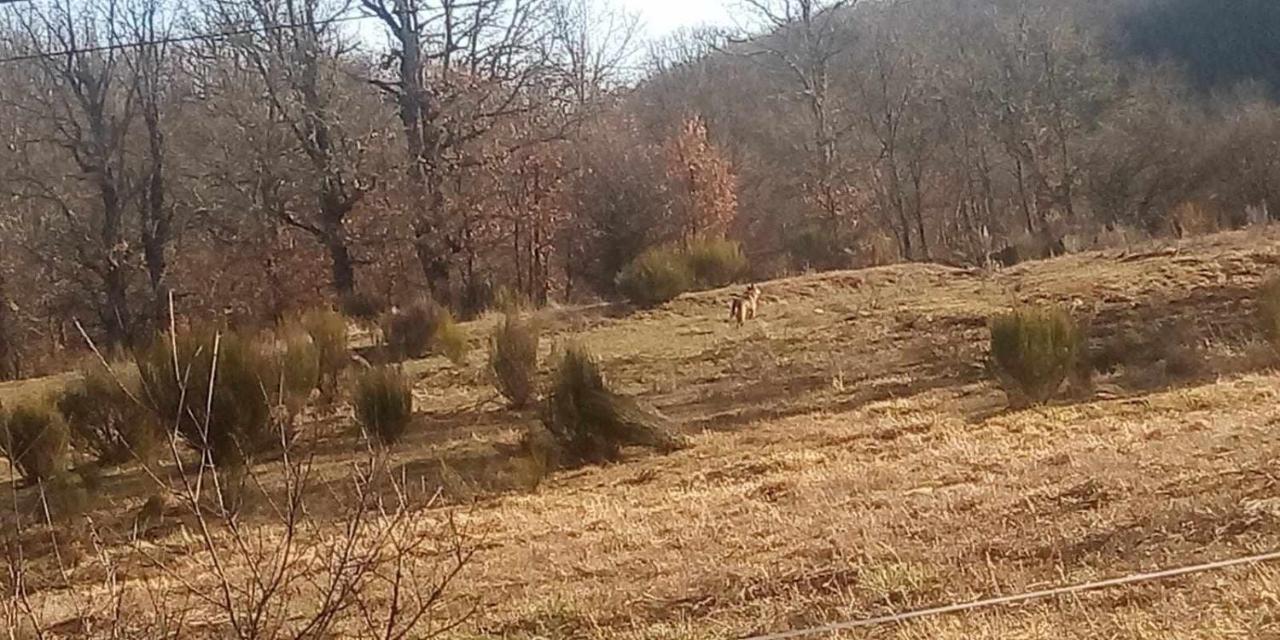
(449, 338)
(422, 328)
(409, 331)
(384, 403)
(295, 366)
(219, 395)
(513, 359)
(590, 423)
(34, 438)
(508, 300)
(715, 262)
(1033, 350)
(661, 273)
(328, 331)
(104, 417)
(571, 414)
(656, 276)
(1269, 310)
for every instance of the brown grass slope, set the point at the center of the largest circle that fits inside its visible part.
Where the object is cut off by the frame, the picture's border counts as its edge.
(850, 458)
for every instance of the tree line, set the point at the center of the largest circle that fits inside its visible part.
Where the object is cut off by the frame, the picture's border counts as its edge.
(249, 158)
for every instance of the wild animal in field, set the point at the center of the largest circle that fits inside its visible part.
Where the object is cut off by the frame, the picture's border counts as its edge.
(743, 307)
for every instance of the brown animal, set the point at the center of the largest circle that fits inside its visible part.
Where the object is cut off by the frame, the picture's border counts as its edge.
(744, 307)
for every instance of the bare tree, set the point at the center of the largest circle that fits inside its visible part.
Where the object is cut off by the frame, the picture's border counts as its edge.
(465, 70)
(296, 49)
(591, 43)
(80, 95)
(898, 115)
(148, 24)
(10, 358)
(806, 40)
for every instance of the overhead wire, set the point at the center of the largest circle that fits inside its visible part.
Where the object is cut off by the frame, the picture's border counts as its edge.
(194, 37)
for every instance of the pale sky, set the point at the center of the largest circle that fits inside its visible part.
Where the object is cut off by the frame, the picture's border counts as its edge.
(658, 18)
(661, 17)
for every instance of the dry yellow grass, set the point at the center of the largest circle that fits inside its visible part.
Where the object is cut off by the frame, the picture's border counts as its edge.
(851, 459)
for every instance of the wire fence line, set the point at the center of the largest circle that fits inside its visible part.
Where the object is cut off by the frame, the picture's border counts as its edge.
(181, 39)
(1019, 597)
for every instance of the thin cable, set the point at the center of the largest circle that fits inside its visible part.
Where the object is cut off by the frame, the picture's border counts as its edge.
(197, 37)
(1021, 597)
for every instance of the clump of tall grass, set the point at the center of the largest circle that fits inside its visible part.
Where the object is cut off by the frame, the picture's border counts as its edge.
(383, 402)
(34, 438)
(1269, 310)
(513, 359)
(408, 331)
(328, 331)
(715, 262)
(449, 339)
(1033, 350)
(216, 389)
(104, 415)
(590, 423)
(294, 366)
(656, 276)
(423, 327)
(663, 272)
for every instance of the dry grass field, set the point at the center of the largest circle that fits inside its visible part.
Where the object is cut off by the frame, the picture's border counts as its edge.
(850, 458)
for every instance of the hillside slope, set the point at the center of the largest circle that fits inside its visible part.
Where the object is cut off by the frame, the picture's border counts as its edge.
(850, 458)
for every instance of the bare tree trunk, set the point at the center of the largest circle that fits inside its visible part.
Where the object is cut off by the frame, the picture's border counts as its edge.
(10, 360)
(156, 221)
(115, 315)
(342, 268)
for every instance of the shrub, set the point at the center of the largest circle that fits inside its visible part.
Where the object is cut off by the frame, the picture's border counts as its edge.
(362, 306)
(570, 413)
(449, 339)
(1033, 350)
(409, 330)
(1269, 310)
(715, 262)
(513, 359)
(104, 418)
(539, 455)
(294, 366)
(34, 438)
(383, 403)
(656, 276)
(508, 300)
(228, 420)
(328, 330)
(590, 423)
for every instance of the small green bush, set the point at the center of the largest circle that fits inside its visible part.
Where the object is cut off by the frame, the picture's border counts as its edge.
(661, 273)
(656, 276)
(409, 331)
(1033, 350)
(590, 423)
(570, 414)
(34, 438)
(384, 403)
(513, 359)
(105, 419)
(1269, 310)
(450, 340)
(715, 262)
(328, 331)
(231, 419)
